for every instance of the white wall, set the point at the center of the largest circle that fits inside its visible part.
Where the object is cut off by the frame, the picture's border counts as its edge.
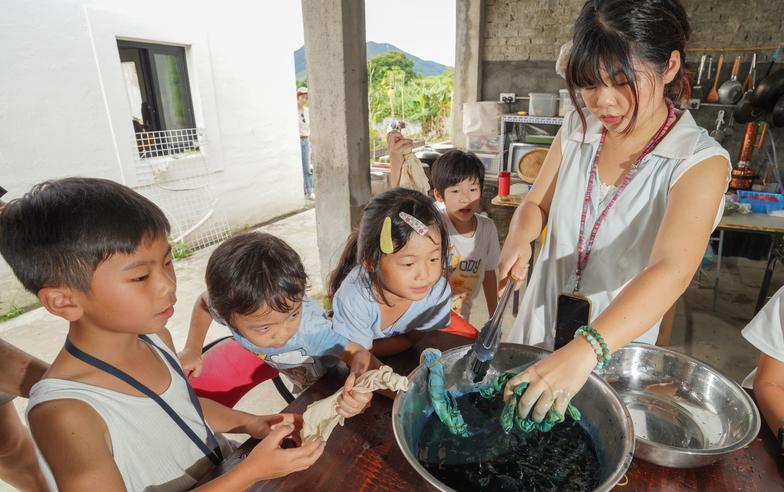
(64, 109)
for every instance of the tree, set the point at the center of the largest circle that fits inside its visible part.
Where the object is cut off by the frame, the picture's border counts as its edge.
(425, 102)
(378, 66)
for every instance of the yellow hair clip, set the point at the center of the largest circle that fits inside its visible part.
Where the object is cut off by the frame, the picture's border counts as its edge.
(385, 241)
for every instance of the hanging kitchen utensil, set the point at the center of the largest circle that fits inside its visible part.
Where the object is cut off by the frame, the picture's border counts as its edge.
(718, 133)
(768, 90)
(747, 147)
(761, 132)
(773, 59)
(713, 95)
(772, 164)
(730, 91)
(745, 110)
(742, 175)
(697, 92)
(729, 130)
(747, 80)
(709, 72)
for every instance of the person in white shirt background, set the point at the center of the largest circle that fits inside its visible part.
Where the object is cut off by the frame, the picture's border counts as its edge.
(303, 117)
(19, 371)
(766, 333)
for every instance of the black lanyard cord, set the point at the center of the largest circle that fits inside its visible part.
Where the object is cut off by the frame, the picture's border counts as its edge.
(215, 455)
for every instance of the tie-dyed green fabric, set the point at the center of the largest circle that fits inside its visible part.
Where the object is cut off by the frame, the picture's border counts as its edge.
(444, 404)
(509, 416)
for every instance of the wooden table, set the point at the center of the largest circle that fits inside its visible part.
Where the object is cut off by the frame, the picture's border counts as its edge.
(364, 456)
(507, 201)
(761, 223)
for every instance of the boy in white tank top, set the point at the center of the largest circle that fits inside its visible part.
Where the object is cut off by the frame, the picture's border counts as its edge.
(114, 411)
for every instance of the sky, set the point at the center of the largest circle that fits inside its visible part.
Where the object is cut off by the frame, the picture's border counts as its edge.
(424, 28)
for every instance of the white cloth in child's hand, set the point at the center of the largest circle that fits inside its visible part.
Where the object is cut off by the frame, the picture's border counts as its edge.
(413, 176)
(321, 417)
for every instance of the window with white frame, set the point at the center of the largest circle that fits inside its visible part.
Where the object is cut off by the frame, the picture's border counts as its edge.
(156, 80)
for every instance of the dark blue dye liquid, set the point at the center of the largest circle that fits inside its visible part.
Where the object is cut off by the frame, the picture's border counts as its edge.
(563, 459)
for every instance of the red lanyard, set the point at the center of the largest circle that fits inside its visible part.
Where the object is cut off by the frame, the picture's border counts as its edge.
(584, 251)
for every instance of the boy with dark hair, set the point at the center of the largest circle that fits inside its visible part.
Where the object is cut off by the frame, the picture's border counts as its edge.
(115, 411)
(256, 287)
(457, 179)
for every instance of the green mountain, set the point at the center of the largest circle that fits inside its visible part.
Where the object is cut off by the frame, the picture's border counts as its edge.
(422, 67)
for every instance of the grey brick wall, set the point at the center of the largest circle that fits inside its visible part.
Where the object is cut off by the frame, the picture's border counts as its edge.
(522, 39)
(518, 30)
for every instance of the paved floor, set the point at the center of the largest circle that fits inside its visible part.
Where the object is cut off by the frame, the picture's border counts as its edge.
(712, 336)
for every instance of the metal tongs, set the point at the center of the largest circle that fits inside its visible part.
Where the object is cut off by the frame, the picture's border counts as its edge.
(486, 345)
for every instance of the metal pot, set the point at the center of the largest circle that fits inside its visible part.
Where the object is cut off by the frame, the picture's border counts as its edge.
(777, 114)
(427, 156)
(768, 91)
(604, 416)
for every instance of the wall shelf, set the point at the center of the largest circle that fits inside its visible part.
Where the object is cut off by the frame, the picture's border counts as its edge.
(508, 122)
(711, 105)
(535, 120)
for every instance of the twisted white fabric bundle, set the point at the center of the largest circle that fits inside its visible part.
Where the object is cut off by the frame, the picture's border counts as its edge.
(412, 175)
(321, 417)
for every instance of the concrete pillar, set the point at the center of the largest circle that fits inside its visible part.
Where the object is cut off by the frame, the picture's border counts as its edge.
(468, 62)
(337, 82)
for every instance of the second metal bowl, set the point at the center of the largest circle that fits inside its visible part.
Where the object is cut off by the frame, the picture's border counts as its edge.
(685, 413)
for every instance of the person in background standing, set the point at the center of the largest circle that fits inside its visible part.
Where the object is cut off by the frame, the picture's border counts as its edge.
(304, 143)
(18, 464)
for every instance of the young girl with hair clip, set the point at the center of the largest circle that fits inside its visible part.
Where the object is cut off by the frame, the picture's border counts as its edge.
(390, 284)
(630, 192)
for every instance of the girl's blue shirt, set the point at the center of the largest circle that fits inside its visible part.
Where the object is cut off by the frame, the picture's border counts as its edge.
(356, 313)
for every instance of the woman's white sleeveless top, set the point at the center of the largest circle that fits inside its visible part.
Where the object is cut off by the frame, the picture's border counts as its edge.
(625, 239)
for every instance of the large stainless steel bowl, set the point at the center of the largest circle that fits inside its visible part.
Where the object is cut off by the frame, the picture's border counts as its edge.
(604, 416)
(686, 413)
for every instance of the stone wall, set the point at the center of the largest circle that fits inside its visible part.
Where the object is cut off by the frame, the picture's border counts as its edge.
(522, 39)
(517, 30)
(535, 29)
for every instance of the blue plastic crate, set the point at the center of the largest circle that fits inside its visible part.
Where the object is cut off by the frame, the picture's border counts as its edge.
(759, 206)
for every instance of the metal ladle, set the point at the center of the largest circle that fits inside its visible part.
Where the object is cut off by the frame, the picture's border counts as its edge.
(730, 91)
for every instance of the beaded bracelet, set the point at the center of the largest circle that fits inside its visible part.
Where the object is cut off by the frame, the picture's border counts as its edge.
(593, 337)
(606, 351)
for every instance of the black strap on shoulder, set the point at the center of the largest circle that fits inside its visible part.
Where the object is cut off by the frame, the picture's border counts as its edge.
(215, 455)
